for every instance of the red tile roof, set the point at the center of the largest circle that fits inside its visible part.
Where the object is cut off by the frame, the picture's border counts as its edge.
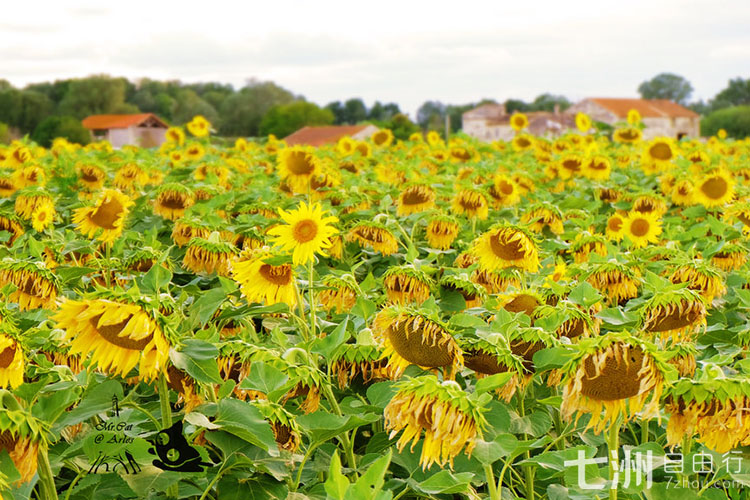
(648, 108)
(98, 122)
(317, 136)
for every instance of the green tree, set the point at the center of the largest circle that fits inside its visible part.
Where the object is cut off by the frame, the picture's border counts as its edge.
(4, 133)
(243, 112)
(100, 94)
(383, 112)
(60, 126)
(284, 119)
(355, 111)
(513, 105)
(735, 120)
(547, 102)
(666, 86)
(189, 104)
(339, 113)
(737, 93)
(401, 126)
(24, 109)
(431, 115)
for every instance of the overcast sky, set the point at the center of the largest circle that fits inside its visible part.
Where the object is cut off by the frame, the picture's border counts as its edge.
(393, 51)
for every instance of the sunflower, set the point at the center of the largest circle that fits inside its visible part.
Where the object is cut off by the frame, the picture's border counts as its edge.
(199, 126)
(415, 199)
(29, 200)
(473, 293)
(12, 357)
(715, 189)
(611, 377)
(527, 341)
(8, 184)
(450, 420)
(434, 139)
(175, 135)
(129, 177)
(441, 232)
(505, 191)
(21, 435)
(373, 235)
(172, 200)
(598, 168)
(186, 388)
(297, 167)
(404, 284)
(583, 122)
(210, 255)
(36, 286)
(683, 193)
(91, 176)
(702, 277)
(106, 218)
(585, 244)
(650, 203)
(519, 121)
(615, 227)
(570, 165)
(120, 333)
(616, 281)
(642, 228)
(507, 245)
(286, 432)
(634, 117)
(410, 337)
(569, 319)
(737, 211)
(185, 230)
(33, 175)
(382, 138)
(306, 232)
(675, 314)
(731, 257)
(658, 154)
(345, 145)
(497, 281)
(491, 355)
(358, 361)
(471, 203)
(264, 282)
(363, 149)
(522, 142)
(43, 216)
(340, 293)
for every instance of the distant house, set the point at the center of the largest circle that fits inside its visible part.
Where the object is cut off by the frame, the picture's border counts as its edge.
(491, 122)
(660, 116)
(146, 129)
(319, 136)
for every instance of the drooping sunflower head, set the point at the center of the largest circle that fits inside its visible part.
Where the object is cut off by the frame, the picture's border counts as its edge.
(569, 165)
(370, 234)
(642, 228)
(568, 319)
(210, 255)
(683, 193)
(702, 277)
(286, 432)
(340, 294)
(307, 231)
(449, 419)
(737, 211)
(119, 331)
(91, 176)
(21, 435)
(507, 245)
(36, 286)
(715, 189)
(142, 259)
(129, 177)
(609, 195)
(473, 293)
(611, 377)
(731, 257)
(11, 226)
(265, 277)
(470, 202)
(409, 336)
(358, 363)
(186, 229)
(497, 281)
(504, 191)
(441, 231)
(491, 354)
(297, 167)
(618, 282)
(29, 199)
(525, 341)
(106, 219)
(405, 284)
(586, 244)
(522, 301)
(673, 313)
(415, 199)
(172, 200)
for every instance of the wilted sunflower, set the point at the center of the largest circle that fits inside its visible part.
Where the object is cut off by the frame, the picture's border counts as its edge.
(210, 255)
(731, 257)
(737, 211)
(613, 376)
(673, 313)
(504, 191)
(172, 200)
(186, 229)
(308, 382)
(527, 341)
(497, 281)
(305, 233)
(702, 277)
(650, 204)
(471, 203)
(522, 301)
(29, 200)
(21, 435)
(405, 284)
(415, 199)
(642, 228)
(628, 135)
(340, 293)
(570, 165)
(441, 231)
(185, 386)
(449, 418)
(608, 195)
(519, 121)
(199, 126)
(507, 245)
(491, 355)
(472, 293)
(12, 357)
(286, 432)
(36, 286)
(119, 332)
(715, 189)
(569, 319)
(297, 167)
(358, 361)
(130, 177)
(410, 337)
(106, 218)
(260, 281)
(12, 225)
(373, 235)
(541, 215)
(683, 193)
(586, 244)
(91, 176)
(8, 184)
(616, 281)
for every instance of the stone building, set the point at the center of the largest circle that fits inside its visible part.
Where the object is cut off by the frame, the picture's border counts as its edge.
(145, 129)
(491, 122)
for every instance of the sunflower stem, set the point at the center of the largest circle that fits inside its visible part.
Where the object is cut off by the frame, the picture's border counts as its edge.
(348, 444)
(644, 430)
(166, 420)
(686, 445)
(46, 479)
(613, 441)
(312, 299)
(489, 474)
(304, 328)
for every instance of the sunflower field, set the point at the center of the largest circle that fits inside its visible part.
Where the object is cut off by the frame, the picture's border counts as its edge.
(561, 318)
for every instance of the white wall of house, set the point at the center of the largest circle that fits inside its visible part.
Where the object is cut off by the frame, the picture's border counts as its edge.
(119, 137)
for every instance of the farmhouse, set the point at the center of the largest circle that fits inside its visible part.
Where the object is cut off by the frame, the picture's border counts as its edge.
(660, 116)
(318, 136)
(491, 122)
(145, 130)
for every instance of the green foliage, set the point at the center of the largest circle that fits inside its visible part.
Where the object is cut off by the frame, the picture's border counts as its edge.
(4, 133)
(60, 126)
(189, 104)
(24, 109)
(99, 94)
(666, 86)
(735, 120)
(284, 119)
(242, 113)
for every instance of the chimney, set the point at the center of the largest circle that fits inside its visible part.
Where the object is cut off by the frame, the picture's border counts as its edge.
(557, 109)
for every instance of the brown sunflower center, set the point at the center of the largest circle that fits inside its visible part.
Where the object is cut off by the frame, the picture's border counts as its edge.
(415, 197)
(299, 163)
(614, 224)
(107, 213)
(7, 441)
(482, 362)
(422, 348)
(628, 134)
(618, 378)
(522, 303)
(715, 188)
(305, 231)
(572, 164)
(676, 319)
(111, 333)
(505, 249)
(523, 142)
(472, 203)
(506, 188)
(661, 151)
(278, 275)
(379, 138)
(640, 227)
(7, 355)
(90, 175)
(173, 201)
